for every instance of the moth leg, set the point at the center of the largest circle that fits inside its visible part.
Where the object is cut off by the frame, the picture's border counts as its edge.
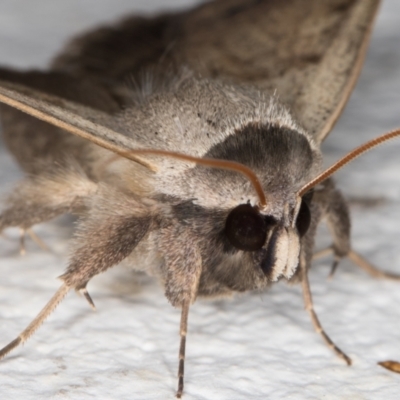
(37, 239)
(42, 197)
(182, 266)
(35, 324)
(327, 252)
(361, 262)
(334, 266)
(182, 347)
(84, 292)
(105, 237)
(33, 236)
(181, 273)
(308, 301)
(338, 220)
(322, 253)
(22, 250)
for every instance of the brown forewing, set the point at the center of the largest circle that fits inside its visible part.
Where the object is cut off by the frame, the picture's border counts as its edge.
(309, 52)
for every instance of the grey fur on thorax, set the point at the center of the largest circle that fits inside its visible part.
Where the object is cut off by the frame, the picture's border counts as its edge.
(207, 114)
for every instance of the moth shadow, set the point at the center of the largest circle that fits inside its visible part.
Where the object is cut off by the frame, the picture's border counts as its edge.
(125, 283)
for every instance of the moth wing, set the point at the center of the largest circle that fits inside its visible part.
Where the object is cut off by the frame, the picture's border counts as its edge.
(88, 123)
(307, 52)
(36, 144)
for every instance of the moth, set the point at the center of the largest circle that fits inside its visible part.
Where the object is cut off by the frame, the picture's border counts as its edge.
(189, 146)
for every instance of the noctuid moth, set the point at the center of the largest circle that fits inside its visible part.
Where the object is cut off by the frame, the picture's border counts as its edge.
(188, 145)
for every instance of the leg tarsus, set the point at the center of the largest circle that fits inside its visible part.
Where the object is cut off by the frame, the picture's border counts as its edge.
(334, 266)
(322, 253)
(83, 291)
(22, 249)
(361, 262)
(11, 346)
(182, 347)
(35, 324)
(325, 252)
(37, 239)
(358, 260)
(33, 236)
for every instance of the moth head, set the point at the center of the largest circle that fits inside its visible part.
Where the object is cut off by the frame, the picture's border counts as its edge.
(260, 234)
(245, 210)
(272, 246)
(247, 229)
(263, 240)
(264, 219)
(265, 233)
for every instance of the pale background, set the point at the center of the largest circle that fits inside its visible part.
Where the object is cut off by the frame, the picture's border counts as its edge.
(255, 346)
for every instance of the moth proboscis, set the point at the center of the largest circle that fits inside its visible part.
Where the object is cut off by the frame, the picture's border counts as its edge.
(208, 231)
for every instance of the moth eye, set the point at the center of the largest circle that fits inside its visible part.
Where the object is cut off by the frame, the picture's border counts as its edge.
(246, 228)
(303, 219)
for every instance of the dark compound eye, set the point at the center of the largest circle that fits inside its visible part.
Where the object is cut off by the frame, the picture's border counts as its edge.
(246, 228)
(303, 219)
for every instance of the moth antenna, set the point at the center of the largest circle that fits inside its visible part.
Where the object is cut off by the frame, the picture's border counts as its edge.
(205, 162)
(348, 158)
(60, 117)
(110, 139)
(35, 324)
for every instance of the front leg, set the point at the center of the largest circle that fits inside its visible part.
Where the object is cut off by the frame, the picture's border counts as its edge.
(334, 208)
(113, 227)
(327, 202)
(181, 272)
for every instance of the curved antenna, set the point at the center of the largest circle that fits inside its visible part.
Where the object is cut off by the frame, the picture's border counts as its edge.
(56, 112)
(348, 158)
(205, 162)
